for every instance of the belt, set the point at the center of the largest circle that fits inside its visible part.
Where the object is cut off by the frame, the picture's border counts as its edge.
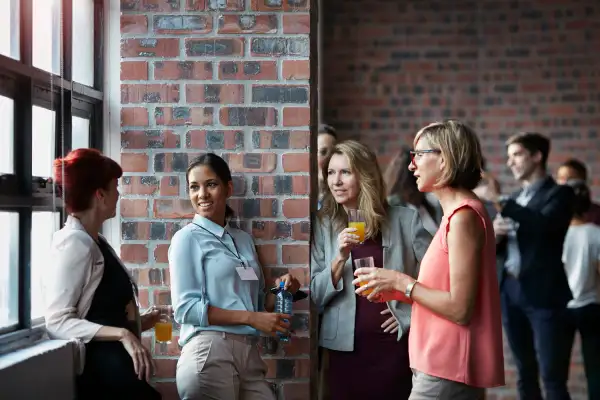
(247, 339)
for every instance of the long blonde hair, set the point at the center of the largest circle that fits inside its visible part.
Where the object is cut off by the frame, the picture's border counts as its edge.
(371, 196)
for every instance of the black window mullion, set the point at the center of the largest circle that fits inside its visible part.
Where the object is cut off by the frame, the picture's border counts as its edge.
(98, 45)
(23, 165)
(67, 40)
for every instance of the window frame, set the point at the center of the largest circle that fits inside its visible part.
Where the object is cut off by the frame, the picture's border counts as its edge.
(29, 86)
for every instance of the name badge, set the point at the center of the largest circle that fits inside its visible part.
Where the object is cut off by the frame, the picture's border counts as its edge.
(247, 274)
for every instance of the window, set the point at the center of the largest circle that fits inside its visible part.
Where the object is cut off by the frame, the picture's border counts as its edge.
(50, 103)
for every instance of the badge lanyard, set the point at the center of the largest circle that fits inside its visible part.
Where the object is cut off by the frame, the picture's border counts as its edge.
(237, 252)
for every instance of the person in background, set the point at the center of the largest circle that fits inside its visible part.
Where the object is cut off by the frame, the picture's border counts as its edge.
(581, 257)
(488, 187)
(530, 230)
(404, 192)
(90, 296)
(368, 347)
(455, 342)
(219, 295)
(326, 139)
(573, 169)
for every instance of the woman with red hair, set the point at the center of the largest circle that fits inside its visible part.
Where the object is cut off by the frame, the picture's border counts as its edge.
(90, 296)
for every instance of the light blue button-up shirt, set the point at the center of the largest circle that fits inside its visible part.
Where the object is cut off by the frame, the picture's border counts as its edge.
(202, 265)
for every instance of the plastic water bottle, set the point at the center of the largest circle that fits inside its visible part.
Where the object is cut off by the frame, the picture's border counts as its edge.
(283, 305)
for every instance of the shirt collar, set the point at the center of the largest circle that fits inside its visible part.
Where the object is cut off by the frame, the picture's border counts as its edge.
(210, 226)
(535, 186)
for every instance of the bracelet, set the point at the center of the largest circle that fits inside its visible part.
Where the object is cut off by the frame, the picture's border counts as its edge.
(409, 289)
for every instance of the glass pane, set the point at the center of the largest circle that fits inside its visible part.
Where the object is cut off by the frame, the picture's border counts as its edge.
(46, 35)
(9, 280)
(6, 135)
(80, 137)
(9, 28)
(83, 41)
(43, 226)
(42, 141)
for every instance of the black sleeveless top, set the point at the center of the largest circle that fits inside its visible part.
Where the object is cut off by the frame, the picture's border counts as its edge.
(113, 294)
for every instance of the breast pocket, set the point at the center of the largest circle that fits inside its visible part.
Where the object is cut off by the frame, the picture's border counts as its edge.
(329, 326)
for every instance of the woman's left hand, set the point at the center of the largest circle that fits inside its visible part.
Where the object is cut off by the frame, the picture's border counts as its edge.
(152, 315)
(291, 284)
(386, 284)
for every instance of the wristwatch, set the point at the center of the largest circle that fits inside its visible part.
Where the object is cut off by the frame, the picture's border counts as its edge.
(409, 289)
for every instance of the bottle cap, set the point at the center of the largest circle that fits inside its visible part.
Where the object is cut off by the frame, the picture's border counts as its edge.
(281, 285)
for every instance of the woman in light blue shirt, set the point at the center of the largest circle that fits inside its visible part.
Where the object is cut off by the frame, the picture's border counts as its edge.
(219, 296)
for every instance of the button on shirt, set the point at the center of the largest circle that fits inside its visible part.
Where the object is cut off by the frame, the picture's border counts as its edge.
(203, 258)
(513, 255)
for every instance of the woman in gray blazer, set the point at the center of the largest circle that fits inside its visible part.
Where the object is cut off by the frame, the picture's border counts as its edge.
(361, 337)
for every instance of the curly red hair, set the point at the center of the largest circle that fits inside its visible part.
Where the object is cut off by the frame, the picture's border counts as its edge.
(80, 174)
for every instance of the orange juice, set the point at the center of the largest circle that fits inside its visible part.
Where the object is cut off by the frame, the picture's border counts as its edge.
(163, 331)
(366, 292)
(360, 229)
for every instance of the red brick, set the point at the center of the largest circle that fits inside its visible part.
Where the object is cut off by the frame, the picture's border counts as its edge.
(301, 231)
(296, 69)
(296, 162)
(296, 116)
(263, 5)
(299, 185)
(161, 253)
(240, 23)
(181, 116)
(134, 116)
(296, 23)
(134, 162)
(134, 208)
(150, 48)
(214, 47)
(295, 254)
(152, 276)
(296, 208)
(134, 71)
(248, 70)
(253, 207)
(188, 70)
(141, 185)
(248, 116)
(199, 5)
(143, 298)
(180, 208)
(225, 140)
(182, 24)
(169, 186)
(149, 5)
(162, 297)
(270, 230)
(149, 93)
(294, 140)
(133, 24)
(134, 253)
(219, 94)
(196, 5)
(149, 139)
(252, 162)
(267, 254)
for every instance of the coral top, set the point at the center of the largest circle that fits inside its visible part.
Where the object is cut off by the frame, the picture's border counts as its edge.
(470, 354)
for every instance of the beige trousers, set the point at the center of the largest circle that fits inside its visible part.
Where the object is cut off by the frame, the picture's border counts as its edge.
(427, 387)
(222, 366)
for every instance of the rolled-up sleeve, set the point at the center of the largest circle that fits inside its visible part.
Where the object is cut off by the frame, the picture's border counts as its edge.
(321, 283)
(187, 280)
(63, 287)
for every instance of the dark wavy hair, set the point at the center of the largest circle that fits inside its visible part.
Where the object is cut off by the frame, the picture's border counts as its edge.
(78, 175)
(583, 198)
(219, 167)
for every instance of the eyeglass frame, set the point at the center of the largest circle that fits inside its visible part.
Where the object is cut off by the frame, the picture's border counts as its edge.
(413, 153)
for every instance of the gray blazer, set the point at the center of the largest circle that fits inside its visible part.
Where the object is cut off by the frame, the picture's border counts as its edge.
(404, 241)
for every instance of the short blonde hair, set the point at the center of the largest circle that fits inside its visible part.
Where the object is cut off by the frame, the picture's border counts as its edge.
(461, 150)
(372, 195)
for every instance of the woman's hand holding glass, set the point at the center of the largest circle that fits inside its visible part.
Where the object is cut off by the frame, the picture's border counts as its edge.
(386, 284)
(347, 239)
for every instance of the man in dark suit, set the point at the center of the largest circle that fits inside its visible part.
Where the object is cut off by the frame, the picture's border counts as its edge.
(530, 230)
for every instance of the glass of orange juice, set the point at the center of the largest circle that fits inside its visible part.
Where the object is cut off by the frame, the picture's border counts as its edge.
(163, 329)
(356, 219)
(366, 262)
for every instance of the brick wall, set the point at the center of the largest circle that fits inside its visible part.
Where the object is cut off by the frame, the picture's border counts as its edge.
(390, 67)
(231, 77)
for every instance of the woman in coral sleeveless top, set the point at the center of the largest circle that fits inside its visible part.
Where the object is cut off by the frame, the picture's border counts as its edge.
(455, 344)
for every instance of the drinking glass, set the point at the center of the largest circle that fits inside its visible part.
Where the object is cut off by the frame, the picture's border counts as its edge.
(366, 262)
(356, 219)
(163, 329)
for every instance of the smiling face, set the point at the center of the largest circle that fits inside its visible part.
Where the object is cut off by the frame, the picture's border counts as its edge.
(521, 162)
(208, 193)
(342, 181)
(426, 166)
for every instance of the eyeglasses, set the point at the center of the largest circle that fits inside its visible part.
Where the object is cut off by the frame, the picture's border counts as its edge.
(415, 153)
